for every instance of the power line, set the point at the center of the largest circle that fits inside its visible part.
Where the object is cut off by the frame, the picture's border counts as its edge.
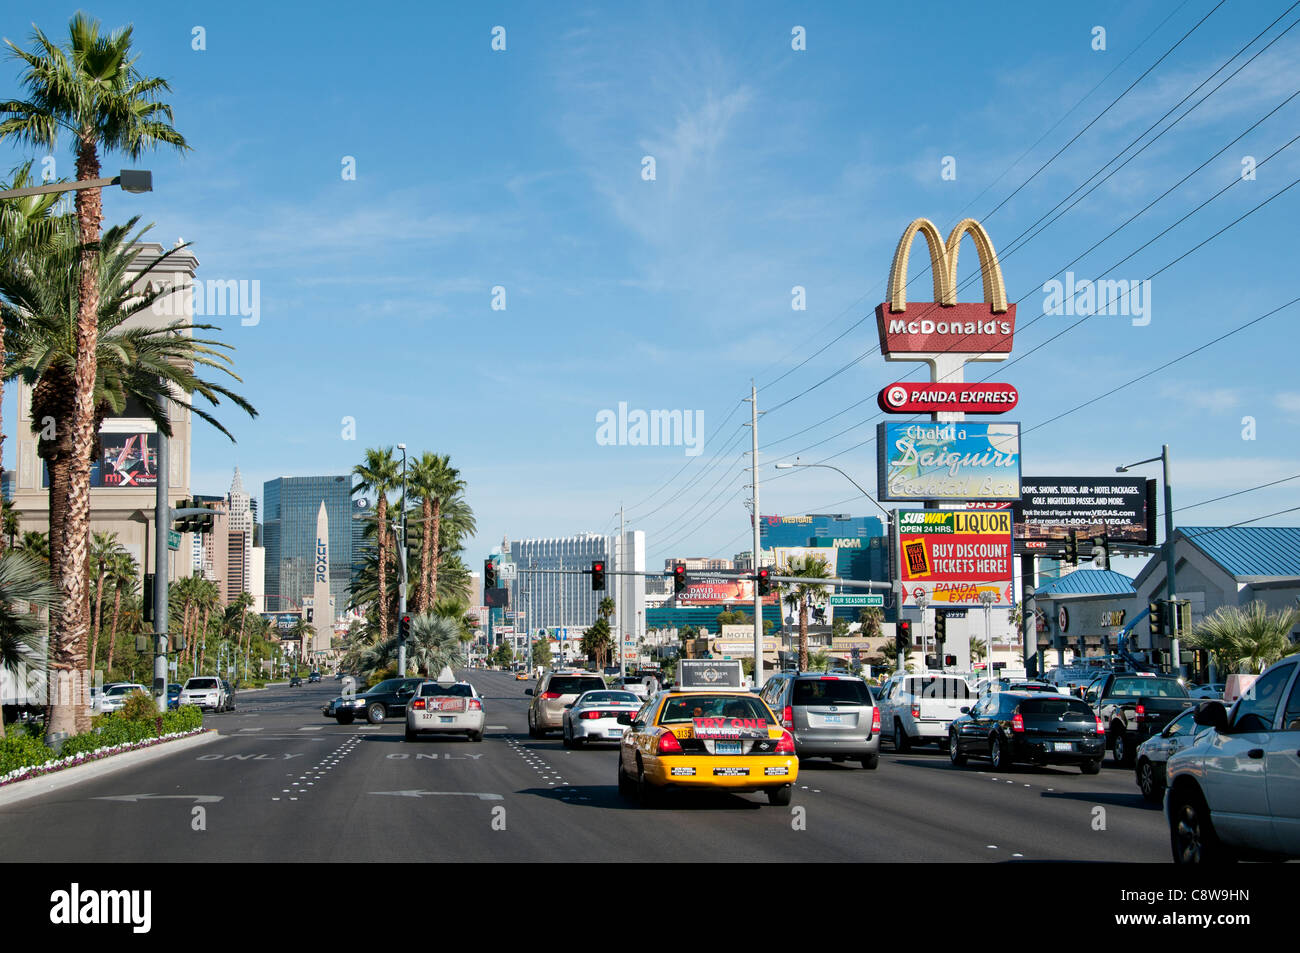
(1262, 486)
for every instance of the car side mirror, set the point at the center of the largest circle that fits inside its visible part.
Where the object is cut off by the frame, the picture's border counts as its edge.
(1212, 715)
(568, 706)
(624, 719)
(965, 709)
(528, 691)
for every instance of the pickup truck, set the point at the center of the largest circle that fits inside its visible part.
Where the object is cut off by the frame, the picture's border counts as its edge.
(916, 709)
(1134, 706)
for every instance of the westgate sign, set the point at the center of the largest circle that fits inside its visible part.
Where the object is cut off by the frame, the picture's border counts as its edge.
(981, 331)
(904, 398)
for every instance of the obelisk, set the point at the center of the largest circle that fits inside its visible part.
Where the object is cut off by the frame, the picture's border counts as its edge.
(323, 609)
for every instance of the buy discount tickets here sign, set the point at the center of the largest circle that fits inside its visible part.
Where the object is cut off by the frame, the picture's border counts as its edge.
(953, 557)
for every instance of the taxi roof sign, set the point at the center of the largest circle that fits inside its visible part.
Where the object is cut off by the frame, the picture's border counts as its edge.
(709, 673)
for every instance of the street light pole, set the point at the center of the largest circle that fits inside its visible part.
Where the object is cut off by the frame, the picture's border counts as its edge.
(1170, 560)
(401, 579)
(987, 598)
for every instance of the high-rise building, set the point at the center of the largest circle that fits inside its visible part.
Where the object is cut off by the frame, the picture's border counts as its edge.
(558, 599)
(290, 509)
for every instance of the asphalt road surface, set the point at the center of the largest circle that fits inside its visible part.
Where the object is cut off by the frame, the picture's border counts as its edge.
(284, 783)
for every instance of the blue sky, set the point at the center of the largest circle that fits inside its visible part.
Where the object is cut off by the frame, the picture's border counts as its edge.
(774, 168)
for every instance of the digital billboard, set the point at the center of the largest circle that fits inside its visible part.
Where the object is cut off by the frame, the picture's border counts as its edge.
(948, 461)
(951, 558)
(1118, 507)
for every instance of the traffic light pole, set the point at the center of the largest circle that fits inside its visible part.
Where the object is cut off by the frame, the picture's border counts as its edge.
(162, 567)
(1170, 587)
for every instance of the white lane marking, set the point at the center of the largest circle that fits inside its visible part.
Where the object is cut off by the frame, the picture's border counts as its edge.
(242, 730)
(498, 727)
(312, 728)
(417, 794)
(196, 798)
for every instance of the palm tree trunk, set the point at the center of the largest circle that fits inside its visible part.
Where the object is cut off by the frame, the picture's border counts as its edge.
(803, 634)
(61, 720)
(436, 517)
(383, 565)
(2, 444)
(426, 548)
(97, 621)
(112, 632)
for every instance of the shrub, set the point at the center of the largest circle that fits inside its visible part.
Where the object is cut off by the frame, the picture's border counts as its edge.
(185, 718)
(139, 706)
(20, 750)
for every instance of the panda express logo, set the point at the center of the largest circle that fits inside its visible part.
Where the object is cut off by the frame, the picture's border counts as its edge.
(944, 326)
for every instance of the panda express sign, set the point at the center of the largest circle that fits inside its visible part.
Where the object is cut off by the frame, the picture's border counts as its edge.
(944, 326)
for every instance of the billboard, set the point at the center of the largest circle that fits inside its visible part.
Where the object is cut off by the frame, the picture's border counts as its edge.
(962, 461)
(923, 398)
(953, 557)
(719, 590)
(283, 621)
(127, 460)
(1119, 507)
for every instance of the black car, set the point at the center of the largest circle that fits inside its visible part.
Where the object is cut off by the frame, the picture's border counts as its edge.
(386, 700)
(1028, 727)
(295, 682)
(230, 695)
(314, 677)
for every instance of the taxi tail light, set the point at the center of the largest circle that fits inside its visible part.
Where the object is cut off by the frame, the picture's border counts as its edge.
(475, 705)
(418, 704)
(875, 721)
(550, 696)
(668, 744)
(1101, 729)
(786, 744)
(1017, 722)
(787, 716)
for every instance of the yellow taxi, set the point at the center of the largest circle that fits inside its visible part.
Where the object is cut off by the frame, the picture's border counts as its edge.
(709, 732)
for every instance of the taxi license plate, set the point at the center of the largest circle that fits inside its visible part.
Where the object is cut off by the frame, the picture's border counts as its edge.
(1062, 746)
(726, 747)
(446, 719)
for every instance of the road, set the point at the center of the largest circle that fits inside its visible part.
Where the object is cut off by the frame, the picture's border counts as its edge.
(283, 784)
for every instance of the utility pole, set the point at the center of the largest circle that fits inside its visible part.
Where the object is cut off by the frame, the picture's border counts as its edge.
(162, 560)
(758, 599)
(618, 597)
(1170, 560)
(401, 579)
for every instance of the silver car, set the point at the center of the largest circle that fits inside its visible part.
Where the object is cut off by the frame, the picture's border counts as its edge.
(1153, 754)
(594, 716)
(445, 708)
(555, 691)
(830, 716)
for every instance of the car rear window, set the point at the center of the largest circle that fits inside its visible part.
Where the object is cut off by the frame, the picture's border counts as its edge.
(685, 708)
(1150, 687)
(574, 684)
(1056, 706)
(446, 691)
(201, 683)
(843, 691)
(938, 687)
(604, 698)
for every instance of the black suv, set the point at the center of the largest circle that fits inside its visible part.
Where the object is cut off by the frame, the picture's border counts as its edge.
(1010, 727)
(386, 700)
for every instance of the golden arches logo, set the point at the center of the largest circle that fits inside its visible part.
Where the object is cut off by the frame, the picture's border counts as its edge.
(943, 264)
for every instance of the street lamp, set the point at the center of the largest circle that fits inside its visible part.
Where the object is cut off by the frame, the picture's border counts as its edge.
(1170, 587)
(401, 579)
(988, 599)
(131, 180)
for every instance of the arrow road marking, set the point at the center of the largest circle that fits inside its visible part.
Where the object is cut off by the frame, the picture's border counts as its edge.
(196, 798)
(481, 797)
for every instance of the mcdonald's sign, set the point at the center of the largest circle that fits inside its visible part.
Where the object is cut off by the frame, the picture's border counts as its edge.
(923, 329)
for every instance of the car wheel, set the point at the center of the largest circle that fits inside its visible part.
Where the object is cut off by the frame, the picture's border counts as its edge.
(943, 743)
(568, 741)
(532, 728)
(780, 796)
(1152, 789)
(375, 713)
(345, 718)
(999, 754)
(1091, 767)
(625, 786)
(1121, 750)
(476, 736)
(901, 741)
(1191, 832)
(647, 793)
(871, 762)
(411, 735)
(954, 754)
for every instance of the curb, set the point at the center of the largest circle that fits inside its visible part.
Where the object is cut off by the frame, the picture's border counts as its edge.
(57, 780)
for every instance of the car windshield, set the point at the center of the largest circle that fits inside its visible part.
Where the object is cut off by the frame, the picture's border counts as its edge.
(843, 691)
(437, 690)
(574, 684)
(606, 698)
(199, 683)
(685, 708)
(121, 689)
(1150, 687)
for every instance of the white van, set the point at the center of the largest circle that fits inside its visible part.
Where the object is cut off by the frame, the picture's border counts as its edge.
(204, 691)
(918, 708)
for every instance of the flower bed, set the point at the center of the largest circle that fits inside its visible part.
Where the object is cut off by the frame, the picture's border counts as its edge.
(58, 764)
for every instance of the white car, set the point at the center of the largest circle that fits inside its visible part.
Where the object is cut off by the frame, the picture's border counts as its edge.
(1235, 790)
(1208, 691)
(113, 696)
(205, 691)
(917, 709)
(594, 716)
(449, 708)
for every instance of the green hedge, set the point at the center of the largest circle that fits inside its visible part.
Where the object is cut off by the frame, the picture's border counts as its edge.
(20, 750)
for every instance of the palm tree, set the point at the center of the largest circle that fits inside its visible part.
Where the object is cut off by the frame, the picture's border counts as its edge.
(103, 547)
(24, 585)
(1246, 639)
(92, 89)
(379, 474)
(122, 573)
(10, 515)
(978, 649)
(799, 595)
(36, 545)
(243, 602)
(435, 483)
(434, 644)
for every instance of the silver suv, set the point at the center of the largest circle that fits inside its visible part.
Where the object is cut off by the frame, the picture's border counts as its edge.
(830, 716)
(555, 691)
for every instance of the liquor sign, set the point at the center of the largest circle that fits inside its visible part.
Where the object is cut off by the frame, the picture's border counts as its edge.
(922, 330)
(1120, 508)
(948, 461)
(922, 398)
(952, 558)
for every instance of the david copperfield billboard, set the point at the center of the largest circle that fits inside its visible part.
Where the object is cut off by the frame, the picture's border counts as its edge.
(958, 462)
(1119, 507)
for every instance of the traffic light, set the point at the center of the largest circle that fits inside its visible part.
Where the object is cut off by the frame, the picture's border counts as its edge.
(146, 605)
(1100, 553)
(404, 628)
(597, 575)
(194, 522)
(489, 574)
(1156, 618)
(679, 578)
(903, 636)
(764, 577)
(940, 628)
(1072, 549)
(949, 660)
